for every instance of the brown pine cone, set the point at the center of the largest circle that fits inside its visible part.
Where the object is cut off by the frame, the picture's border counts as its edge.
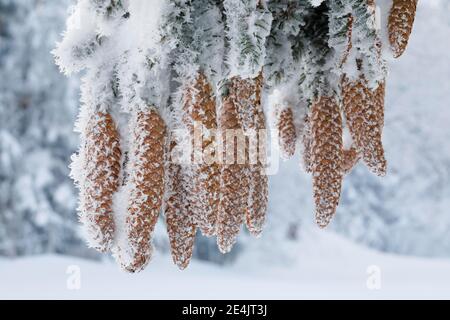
(258, 200)
(180, 222)
(287, 133)
(364, 110)
(326, 157)
(400, 24)
(259, 183)
(146, 170)
(306, 140)
(200, 112)
(102, 164)
(248, 100)
(235, 178)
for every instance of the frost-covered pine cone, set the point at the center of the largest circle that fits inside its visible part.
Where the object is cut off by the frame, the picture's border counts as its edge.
(326, 157)
(287, 133)
(204, 196)
(235, 179)
(401, 22)
(102, 161)
(364, 110)
(247, 94)
(258, 200)
(259, 184)
(146, 182)
(180, 223)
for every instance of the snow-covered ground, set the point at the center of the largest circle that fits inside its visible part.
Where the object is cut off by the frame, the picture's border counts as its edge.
(327, 267)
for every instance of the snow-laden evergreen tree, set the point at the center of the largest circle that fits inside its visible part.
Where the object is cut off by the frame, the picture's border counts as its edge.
(37, 110)
(155, 72)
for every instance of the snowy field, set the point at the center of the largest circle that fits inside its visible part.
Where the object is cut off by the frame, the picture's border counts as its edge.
(328, 267)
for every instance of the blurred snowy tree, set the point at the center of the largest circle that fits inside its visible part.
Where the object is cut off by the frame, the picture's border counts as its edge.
(37, 110)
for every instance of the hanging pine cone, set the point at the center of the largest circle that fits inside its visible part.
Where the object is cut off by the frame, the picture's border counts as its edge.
(102, 161)
(146, 180)
(287, 133)
(326, 157)
(200, 110)
(401, 21)
(249, 107)
(259, 183)
(235, 178)
(364, 110)
(306, 140)
(180, 222)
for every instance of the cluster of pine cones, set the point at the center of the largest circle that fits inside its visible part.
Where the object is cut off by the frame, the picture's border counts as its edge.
(321, 138)
(215, 197)
(218, 198)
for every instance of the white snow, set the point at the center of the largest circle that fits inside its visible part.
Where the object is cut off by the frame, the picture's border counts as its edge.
(327, 267)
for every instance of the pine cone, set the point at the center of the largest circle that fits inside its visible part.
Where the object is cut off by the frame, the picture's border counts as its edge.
(258, 200)
(248, 101)
(235, 179)
(146, 180)
(350, 159)
(326, 157)
(200, 108)
(307, 145)
(364, 110)
(259, 183)
(179, 217)
(287, 133)
(401, 21)
(102, 161)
